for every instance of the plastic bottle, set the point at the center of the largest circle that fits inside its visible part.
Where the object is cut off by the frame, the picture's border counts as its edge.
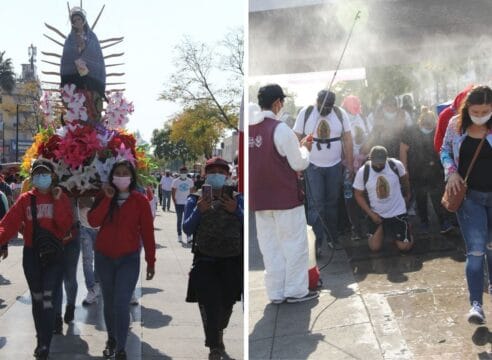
(347, 187)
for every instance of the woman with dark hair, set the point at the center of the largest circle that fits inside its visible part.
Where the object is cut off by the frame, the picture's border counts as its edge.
(52, 213)
(125, 220)
(465, 132)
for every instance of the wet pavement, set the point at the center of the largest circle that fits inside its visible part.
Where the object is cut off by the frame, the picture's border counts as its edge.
(384, 306)
(163, 325)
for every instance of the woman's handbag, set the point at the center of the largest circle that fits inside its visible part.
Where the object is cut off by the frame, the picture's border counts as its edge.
(452, 201)
(48, 247)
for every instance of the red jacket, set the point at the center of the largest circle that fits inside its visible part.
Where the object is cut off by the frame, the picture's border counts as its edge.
(53, 215)
(131, 223)
(446, 115)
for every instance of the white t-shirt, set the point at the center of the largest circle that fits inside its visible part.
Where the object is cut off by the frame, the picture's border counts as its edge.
(166, 183)
(183, 188)
(359, 132)
(383, 189)
(323, 127)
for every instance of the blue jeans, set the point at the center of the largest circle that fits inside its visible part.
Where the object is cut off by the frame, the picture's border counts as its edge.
(323, 187)
(71, 252)
(475, 219)
(87, 240)
(118, 280)
(42, 284)
(179, 213)
(166, 200)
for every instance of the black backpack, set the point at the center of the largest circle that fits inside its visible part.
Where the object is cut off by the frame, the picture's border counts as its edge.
(367, 167)
(328, 142)
(309, 111)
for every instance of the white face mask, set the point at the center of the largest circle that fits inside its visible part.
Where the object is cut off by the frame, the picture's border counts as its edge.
(182, 176)
(389, 115)
(477, 120)
(426, 131)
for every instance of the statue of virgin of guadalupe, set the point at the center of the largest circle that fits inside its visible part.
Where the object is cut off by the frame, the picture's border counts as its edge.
(82, 63)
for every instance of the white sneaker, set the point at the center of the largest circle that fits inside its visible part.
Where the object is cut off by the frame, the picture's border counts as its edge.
(309, 296)
(134, 300)
(91, 297)
(476, 315)
(180, 238)
(188, 239)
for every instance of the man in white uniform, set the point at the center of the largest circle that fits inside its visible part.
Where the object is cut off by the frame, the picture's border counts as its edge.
(274, 158)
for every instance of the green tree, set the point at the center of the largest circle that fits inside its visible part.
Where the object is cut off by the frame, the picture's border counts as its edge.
(199, 127)
(166, 148)
(7, 76)
(198, 66)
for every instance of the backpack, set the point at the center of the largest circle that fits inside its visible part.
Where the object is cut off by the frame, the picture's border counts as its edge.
(367, 166)
(328, 142)
(309, 111)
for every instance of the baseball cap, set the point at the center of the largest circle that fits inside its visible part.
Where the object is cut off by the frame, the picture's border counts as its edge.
(330, 97)
(378, 155)
(268, 94)
(217, 161)
(42, 164)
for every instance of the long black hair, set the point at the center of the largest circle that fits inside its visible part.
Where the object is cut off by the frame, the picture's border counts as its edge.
(114, 201)
(479, 95)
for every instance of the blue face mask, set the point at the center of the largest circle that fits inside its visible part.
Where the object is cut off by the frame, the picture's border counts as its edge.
(216, 180)
(42, 181)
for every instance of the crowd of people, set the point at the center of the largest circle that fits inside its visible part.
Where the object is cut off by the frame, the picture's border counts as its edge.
(386, 164)
(56, 228)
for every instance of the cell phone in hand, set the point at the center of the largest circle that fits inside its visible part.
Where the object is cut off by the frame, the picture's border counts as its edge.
(207, 192)
(228, 190)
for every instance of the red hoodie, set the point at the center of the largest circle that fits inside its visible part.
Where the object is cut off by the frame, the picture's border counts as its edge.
(53, 215)
(131, 223)
(446, 115)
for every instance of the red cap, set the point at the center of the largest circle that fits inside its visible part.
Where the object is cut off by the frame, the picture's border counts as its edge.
(217, 161)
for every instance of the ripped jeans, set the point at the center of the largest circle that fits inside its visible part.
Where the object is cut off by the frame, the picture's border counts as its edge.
(42, 284)
(475, 219)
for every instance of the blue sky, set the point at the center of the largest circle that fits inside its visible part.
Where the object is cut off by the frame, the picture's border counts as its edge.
(151, 29)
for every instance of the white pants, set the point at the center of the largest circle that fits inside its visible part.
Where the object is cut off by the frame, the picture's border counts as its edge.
(282, 238)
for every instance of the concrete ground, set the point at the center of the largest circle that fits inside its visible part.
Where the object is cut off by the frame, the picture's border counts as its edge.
(163, 325)
(384, 306)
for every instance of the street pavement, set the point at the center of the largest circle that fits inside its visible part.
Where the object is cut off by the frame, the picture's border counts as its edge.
(163, 325)
(384, 306)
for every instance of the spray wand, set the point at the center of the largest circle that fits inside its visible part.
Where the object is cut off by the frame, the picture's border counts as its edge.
(310, 137)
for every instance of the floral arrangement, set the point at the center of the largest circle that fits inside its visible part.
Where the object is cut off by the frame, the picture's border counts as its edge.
(84, 151)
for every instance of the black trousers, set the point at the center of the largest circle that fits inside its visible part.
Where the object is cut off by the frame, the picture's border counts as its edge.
(42, 284)
(215, 284)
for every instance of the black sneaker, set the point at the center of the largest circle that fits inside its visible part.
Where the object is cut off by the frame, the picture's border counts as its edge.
(108, 351)
(120, 355)
(41, 352)
(309, 296)
(69, 313)
(58, 328)
(446, 227)
(216, 354)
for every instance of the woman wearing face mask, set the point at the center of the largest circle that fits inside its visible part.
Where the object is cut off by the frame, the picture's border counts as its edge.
(463, 136)
(54, 213)
(388, 123)
(125, 219)
(216, 276)
(422, 164)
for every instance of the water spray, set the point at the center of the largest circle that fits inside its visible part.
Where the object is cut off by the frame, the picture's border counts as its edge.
(357, 17)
